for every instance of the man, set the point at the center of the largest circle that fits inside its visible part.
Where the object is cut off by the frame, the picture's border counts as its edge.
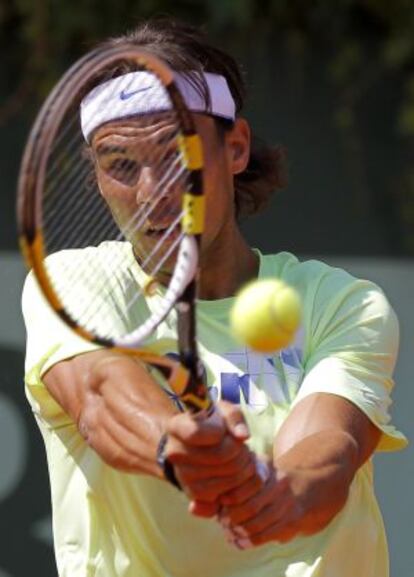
(314, 413)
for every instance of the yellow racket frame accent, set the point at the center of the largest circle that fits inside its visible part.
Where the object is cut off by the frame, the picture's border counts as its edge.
(192, 151)
(193, 400)
(194, 211)
(34, 255)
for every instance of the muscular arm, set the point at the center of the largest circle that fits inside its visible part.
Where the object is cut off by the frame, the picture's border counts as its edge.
(326, 415)
(118, 407)
(317, 451)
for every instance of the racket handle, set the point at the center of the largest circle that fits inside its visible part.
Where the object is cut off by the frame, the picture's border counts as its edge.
(188, 383)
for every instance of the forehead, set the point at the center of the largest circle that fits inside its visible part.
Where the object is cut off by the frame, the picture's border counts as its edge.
(144, 129)
(151, 129)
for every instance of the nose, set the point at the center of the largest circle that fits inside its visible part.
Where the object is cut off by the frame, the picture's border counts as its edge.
(146, 187)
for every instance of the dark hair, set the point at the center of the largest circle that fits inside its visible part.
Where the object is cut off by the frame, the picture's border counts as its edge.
(186, 48)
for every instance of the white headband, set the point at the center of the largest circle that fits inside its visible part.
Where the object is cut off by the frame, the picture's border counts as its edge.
(127, 96)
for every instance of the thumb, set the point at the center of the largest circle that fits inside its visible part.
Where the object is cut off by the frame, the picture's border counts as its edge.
(197, 430)
(234, 420)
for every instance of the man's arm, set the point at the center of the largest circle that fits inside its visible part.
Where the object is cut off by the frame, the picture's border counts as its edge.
(122, 412)
(317, 452)
(326, 413)
(117, 406)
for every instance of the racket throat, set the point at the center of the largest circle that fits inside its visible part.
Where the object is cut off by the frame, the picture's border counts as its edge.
(195, 395)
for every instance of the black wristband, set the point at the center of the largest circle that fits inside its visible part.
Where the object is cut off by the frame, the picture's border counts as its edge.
(164, 463)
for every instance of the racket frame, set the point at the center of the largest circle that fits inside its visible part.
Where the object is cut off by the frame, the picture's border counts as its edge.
(187, 377)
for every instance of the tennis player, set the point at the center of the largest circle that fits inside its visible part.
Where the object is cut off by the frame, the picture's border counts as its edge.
(142, 489)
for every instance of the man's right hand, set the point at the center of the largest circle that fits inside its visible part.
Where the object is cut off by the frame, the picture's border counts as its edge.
(210, 457)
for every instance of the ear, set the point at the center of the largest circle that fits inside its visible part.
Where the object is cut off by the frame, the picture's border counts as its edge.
(238, 145)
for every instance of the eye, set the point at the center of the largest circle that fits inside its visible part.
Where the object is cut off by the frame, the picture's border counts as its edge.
(170, 160)
(124, 170)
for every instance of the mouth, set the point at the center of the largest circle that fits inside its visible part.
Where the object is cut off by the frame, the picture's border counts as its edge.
(168, 227)
(167, 233)
(155, 232)
(156, 248)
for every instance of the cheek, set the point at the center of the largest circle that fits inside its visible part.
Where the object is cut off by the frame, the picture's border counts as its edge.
(114, 192)
(219, 177)
(218, 190)
(121, 200)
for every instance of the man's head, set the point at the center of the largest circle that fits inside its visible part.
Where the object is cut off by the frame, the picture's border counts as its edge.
(212, 76)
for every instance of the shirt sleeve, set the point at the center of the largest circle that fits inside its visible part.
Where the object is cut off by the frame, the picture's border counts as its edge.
(48, 341)
(352, 350)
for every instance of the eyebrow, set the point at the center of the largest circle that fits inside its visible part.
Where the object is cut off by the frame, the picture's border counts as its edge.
(165, 138)
(103, 149)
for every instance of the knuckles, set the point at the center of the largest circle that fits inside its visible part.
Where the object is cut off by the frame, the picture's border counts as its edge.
(193, 432)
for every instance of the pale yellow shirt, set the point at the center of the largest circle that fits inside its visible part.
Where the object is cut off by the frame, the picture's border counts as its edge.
(112, 524)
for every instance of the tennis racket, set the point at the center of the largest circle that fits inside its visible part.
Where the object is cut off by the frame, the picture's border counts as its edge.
(111, 209)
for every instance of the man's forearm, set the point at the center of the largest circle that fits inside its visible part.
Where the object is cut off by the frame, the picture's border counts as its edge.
(118, 407)
(322, 412)
(319, 470)
(318, 449)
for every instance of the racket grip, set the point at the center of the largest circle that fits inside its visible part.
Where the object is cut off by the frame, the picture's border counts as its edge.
(188, 383)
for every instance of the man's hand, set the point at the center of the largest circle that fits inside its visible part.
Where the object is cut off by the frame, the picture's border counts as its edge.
(210, 457)
(307, 487)
(316, 453)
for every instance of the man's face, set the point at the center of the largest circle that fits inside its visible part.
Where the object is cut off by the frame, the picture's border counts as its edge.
(141, 178)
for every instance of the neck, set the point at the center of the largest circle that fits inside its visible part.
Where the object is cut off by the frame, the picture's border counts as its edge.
(226, 266)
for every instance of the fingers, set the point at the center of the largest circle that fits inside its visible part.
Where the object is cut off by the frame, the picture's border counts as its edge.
(216, 455)
(265, 518)
(271, 514)
(244, 492)
(116, 445)
(207, 441)
(281, 532)
(195, 432)
(270, 525)
(208, 483)
(199, 432)
(243, 463)
(275, 492)
(211, 459)
(234, 420)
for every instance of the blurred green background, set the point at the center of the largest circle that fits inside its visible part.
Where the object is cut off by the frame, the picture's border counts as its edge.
(333, 81)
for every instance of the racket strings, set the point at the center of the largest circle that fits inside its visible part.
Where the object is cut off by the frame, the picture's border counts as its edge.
(75, 212)
(69, 198)
(93, 311)
(95, 316)
(140, 217)
(84, 201)
(151, 272)
(173, 247)
(137, 220)
(92, 304)
(70, 142)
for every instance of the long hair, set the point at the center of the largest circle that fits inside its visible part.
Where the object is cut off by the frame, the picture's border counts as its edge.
(186, 49)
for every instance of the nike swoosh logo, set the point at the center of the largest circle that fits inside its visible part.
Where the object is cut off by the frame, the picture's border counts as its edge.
(124, 95)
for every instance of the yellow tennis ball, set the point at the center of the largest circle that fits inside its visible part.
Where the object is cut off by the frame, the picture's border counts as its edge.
(266, 315)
